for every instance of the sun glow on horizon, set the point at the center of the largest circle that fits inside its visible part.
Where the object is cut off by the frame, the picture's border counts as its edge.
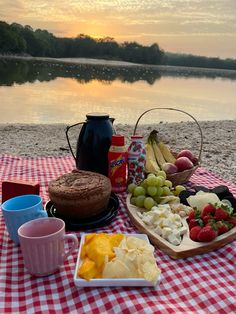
(188, 26)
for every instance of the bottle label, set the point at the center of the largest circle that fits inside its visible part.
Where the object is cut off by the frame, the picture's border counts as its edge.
(136, 162)
(116, 164)
(117, 171)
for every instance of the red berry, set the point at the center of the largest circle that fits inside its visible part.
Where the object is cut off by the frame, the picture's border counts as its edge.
(194, 214)
(191, 214)
(221, 214)
(206, 234)
(231, 220)
(206, 219)
(192, 223)
(209, 209)
(222, 227)
(194, 233)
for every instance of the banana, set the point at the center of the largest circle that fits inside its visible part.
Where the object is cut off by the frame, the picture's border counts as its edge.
(158, 154)
(161, 150)
(151, 165)
(166, 153)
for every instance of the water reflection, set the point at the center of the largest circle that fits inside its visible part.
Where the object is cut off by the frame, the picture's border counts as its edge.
(42, 92)
(19, 72)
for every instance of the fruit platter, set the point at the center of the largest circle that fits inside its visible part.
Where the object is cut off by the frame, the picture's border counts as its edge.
(180, 222)
(116, 260)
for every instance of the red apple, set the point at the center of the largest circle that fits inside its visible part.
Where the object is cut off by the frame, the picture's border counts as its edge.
(183, 163)
(169, 168)
(194, 160)
(186, 153)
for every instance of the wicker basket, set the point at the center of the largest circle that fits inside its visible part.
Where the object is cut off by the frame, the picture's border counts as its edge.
(183, 176)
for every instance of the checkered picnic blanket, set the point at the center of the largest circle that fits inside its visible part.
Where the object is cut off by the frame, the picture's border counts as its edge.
(201, 284)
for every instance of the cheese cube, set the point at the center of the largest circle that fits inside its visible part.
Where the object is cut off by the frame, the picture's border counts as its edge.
(166, 231)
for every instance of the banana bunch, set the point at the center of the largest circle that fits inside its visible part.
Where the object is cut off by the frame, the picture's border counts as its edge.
(151, 165)
(157, 153)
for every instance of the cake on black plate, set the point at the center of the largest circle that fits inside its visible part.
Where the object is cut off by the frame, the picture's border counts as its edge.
(80, 194)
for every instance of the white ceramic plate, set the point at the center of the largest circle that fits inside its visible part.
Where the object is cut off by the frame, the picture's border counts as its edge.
(122, 282)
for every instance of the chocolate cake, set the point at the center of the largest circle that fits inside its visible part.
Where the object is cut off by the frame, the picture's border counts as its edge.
(80, 194)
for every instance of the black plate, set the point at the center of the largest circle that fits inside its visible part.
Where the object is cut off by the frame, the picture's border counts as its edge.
(99, 220)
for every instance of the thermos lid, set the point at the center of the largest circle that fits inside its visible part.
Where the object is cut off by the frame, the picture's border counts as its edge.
(97, 115)
(118, 140)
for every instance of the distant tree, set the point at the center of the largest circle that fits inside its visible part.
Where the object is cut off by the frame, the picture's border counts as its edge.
(47, 41)
(34, 46)
(189, 60)
(10, 41)
(84, 46)
(155, 54)
(107, 47)
(132, 51)
(19, 39)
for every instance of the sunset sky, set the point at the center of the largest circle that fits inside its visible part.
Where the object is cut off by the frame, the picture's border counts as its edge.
(198, 27)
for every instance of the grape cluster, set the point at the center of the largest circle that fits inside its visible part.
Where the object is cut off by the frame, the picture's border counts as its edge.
(152, 189)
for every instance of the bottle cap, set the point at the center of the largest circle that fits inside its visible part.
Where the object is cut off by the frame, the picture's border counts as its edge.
(135, 137)
(118, 140)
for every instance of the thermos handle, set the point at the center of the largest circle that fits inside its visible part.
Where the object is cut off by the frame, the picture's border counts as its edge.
(67, 137)
(113, 128)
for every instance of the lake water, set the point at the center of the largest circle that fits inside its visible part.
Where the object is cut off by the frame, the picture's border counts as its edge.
(37, 92)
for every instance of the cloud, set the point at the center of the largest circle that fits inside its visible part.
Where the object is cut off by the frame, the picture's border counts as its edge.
(10, 9)
(144, 20)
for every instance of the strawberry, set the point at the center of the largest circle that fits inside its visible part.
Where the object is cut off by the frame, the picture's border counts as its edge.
(191, 214)
(221, 214)
(208, 209)
(206, 234)
(223, 226)
(207, 219)
(194, 233)
(193, 223)
(194, 213)
(232, 220)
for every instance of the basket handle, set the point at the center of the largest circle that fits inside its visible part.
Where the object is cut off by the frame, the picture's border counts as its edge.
(173, 109)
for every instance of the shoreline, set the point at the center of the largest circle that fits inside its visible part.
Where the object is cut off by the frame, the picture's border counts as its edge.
(218, 152)
(164, 69)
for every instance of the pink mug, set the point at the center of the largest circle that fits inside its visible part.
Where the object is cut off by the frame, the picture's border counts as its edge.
(42, 243)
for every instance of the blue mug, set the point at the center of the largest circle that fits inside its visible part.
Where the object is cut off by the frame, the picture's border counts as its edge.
(20, 209)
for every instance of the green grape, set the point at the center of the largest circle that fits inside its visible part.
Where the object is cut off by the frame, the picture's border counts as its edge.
(157, 198)
(139, 190)
(148, 203)
(159, 191)
(166, 191)
(160, 181)
(144, 184)
(178, 189)
(168, 183)
(151, 175)
(152, 181)
(131, 187)
(151, 190)
(162, 174)
(133, 200)
(140, 200)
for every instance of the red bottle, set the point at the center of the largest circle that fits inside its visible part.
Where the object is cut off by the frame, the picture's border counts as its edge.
(117, 159)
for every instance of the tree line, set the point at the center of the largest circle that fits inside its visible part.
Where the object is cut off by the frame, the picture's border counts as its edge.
(20, 40)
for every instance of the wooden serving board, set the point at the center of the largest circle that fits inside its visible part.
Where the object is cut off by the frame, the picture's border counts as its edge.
(187, 247)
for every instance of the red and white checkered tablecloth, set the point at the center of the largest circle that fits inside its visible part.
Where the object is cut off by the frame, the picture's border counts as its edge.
(201, 284)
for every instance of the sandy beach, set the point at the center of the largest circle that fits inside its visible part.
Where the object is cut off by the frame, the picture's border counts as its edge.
(218, 151)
